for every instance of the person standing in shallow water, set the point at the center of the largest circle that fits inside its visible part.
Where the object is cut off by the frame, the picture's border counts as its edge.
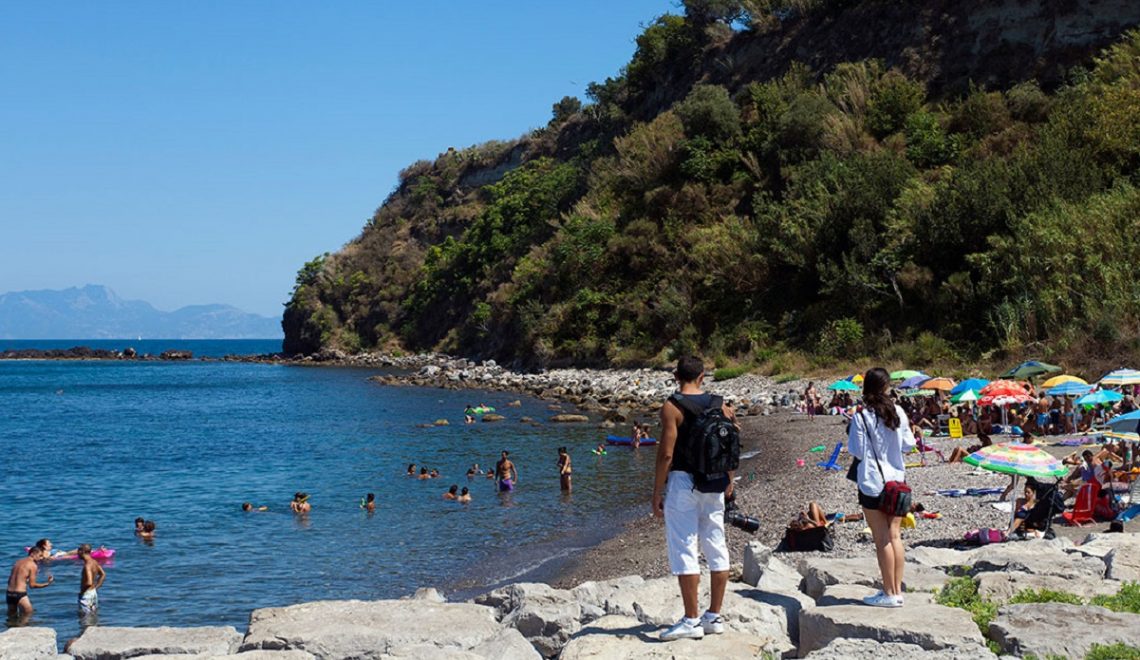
(564, 470)
(22, 578)
(880, 438)
(90, 580)
(506, 473)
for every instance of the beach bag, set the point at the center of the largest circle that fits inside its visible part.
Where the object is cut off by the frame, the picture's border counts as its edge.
(816, 539)
(896, 497)
(712, 447)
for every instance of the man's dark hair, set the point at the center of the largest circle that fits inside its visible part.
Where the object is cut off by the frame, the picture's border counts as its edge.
(689, 369)
(148, 526)
(1086, 454)
(84, 549)
(42, 544)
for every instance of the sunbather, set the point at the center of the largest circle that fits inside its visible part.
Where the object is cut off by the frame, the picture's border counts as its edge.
(810, 519)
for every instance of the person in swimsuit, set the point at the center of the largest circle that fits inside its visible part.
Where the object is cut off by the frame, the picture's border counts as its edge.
(469, 414)
(300, 503)
(564, 469)
(369, 503)
(22, 578)
(148, 531)
(411, 470)
(452, 493)
(423, 474)
(464, 496)
(249, 507)
(506, 473)
(90, 580)
(139, 525)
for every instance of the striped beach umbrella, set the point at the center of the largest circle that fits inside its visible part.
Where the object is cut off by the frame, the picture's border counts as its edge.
(1120, 377)
(1069, 389)
(964, 397)
(975, 384)
(1019, 460)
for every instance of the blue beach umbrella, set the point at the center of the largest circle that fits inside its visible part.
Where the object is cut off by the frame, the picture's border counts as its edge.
(1121, 377)
(1068, 389)
(975, 384)
(1124, 423)
(843, 386)
(913, 382)
(1099, 396)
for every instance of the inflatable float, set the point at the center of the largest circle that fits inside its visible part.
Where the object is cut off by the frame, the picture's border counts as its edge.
(626, 442)
(98, 554)
(482, 410)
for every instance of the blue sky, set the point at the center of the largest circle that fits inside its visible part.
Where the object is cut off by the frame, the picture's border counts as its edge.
(200, 152)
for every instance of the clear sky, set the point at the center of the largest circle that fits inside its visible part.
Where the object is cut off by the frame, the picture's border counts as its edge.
(200, 152)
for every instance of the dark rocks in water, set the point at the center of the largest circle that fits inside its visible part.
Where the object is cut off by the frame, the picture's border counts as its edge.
(492, 417)
(569, 419)
(176, 355)
(129, 353)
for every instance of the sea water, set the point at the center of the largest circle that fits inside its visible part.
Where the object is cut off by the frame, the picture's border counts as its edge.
(88, 446)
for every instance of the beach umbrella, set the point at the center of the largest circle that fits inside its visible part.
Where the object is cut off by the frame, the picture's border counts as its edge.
(857, 379)
(1019, 460)
(964, 397)
(1069, 389)
(1120, 377)
(1000, 387)
(1125, 422)
(941, 384)
(913, 382)
(1099, 396)
(975, 384)
(1059, 380)
(913, 393)
(903, 374)
(843, 386)
(1030, 369)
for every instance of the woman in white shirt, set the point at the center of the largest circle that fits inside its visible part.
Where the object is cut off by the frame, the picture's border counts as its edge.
(879, 436)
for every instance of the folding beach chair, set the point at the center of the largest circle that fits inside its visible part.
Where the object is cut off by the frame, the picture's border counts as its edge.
(1082, 512)
(833, 462)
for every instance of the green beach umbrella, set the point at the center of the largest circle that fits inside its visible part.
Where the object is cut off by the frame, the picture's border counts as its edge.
(910, 393)
(1030, 369)
(904, 374)
(843, 386)
(964, 397)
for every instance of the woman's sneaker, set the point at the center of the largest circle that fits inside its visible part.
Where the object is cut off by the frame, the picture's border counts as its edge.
(684, 629)
(712, 623)
(882, 600)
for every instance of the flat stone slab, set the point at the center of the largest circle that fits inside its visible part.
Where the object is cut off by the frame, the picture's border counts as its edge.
(853, 594)
(249, 655)
(114, 643)
(931, 627)
(371, 629)
(1037, 559)
(822, 572)
(545, 616)
(1000, 586)
(869, 649)
(622, 638)
(33, 643)
(1056, 629)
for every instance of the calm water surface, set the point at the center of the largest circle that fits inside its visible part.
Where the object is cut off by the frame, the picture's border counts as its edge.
(88, 446)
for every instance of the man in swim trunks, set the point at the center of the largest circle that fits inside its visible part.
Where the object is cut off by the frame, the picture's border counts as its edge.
(506, 473)
(90, 580)
(23, 577)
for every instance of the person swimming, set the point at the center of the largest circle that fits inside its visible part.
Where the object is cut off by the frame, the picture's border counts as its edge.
(434, 473)
(369, 503)
(469, 414)
(452, 493)
(411, 470)
(246, 506)
(464, 496)
(423, 474)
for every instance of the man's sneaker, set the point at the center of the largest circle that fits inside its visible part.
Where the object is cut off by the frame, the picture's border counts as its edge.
(882, 600)
(712, 623)
(684, 629)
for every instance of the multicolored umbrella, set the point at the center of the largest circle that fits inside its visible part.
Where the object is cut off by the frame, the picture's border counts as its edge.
(903, 374)
(912, 393)
(1099, 396)
(1007, 387)
(1120, 377)
(843, 386)
(1019, 460)
(975, 384)
(1030, 369)
(964, 397)
(1069, 389)
(913, 382)
(1058, 380)
(942, 384)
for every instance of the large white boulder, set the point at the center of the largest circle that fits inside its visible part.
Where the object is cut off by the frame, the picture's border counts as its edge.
(756, 558)
(248, 655)
(372, 629)
(869, 649)
(1000, 586)
(923, 624)
(1036, 559)
(779, 586)
(545, 616)
(1055, 629)
(625, 638)
(821, 572)
(31, 643)
(114, 643)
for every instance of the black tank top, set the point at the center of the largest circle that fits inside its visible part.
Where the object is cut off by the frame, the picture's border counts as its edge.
(702, 401)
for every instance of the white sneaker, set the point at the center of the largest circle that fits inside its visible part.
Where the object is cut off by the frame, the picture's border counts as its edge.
(712, 623)
(684, 629)
(882, 600)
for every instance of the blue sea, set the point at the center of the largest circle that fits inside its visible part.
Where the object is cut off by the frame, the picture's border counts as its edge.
(90, 445)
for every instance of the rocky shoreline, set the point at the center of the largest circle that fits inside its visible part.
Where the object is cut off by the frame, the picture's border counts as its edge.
(777, 606)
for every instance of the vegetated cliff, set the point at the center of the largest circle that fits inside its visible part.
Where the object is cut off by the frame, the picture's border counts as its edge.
(923, 178)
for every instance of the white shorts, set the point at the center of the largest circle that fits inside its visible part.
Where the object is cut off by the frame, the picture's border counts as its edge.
(692, 518)
(88, 602)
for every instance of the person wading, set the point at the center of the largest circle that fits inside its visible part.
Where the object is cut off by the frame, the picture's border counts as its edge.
(880, 438)
(692, 518)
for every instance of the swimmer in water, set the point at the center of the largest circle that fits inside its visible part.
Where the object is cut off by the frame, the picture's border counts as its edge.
(506, 473)
(148, 531)
(247, 507)
(452, 493)
(464, 496)
(139, 525)
(300, 503)
(411, 470)
(369, 503)
(474, 471)
(22, 578)
(564, 469)
(469, 414)
(90, 579)
(423, 474)
(434, 473)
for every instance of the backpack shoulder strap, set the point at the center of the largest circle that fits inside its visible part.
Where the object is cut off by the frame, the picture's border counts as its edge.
(716, 402)
(686, 405)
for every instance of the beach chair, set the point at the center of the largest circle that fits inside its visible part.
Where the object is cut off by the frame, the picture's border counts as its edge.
(833, 462)
(943, 425)
(1082, 512)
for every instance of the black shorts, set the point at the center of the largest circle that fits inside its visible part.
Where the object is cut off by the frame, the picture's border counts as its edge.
(870, 501)
(13, 598)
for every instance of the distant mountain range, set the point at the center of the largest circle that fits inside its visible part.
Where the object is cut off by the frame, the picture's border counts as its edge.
(96, 312)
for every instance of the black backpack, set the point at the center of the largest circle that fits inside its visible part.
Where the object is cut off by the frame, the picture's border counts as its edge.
(711, 448)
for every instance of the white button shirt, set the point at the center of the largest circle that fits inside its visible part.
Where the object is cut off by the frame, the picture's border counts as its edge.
(890, 446)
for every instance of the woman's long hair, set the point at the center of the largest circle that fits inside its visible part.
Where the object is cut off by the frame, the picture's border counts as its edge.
(875, 384)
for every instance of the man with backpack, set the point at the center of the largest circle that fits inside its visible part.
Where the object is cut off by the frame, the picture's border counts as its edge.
(697, 455)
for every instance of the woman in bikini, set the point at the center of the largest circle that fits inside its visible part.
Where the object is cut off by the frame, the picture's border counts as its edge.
(564, 469)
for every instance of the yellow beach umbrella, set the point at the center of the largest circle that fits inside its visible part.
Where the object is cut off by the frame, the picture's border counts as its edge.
(1057, 380)
(857, 378)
